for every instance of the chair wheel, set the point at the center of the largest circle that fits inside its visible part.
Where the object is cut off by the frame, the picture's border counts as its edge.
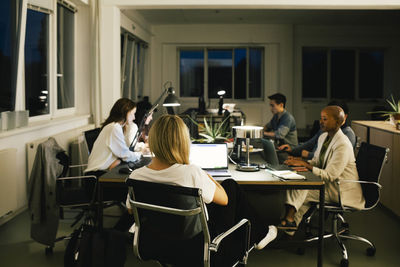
(344, 263)
(300, 251)
(48, 250)
(371, 251)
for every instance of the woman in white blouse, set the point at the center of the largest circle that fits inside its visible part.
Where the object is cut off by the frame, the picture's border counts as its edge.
(227, 203)
(117, 132)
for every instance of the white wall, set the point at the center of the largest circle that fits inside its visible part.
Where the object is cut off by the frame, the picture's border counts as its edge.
(276, 39)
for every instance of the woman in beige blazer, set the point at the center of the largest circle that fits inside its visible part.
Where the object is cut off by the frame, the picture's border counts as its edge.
(333, 160)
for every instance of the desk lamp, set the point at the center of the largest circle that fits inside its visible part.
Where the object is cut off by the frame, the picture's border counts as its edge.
(221, 94)
(248, 132)
(170, 101)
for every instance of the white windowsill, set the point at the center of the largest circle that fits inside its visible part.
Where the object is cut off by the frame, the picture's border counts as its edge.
(43, 124)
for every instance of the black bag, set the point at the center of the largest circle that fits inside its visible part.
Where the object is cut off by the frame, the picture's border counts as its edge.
(89, 247)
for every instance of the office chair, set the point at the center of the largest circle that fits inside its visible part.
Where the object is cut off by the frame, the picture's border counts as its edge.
(171, 228)
(74, 192)
(91, 136)
(370, 161)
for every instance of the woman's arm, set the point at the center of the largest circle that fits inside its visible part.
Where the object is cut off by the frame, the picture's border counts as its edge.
(220, 196)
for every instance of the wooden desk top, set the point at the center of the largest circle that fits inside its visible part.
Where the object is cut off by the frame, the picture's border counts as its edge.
(382, 125)
(261, 177)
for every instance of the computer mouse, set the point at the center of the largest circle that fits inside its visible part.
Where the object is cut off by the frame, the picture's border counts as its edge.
(125, 170)
(262, 166)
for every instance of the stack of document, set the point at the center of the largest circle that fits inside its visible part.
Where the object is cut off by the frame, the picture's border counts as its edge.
(287, 175)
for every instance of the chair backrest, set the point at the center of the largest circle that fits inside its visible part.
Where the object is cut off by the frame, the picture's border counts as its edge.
(370, 161)
(170, 220)
(73, 191)
(91, 136)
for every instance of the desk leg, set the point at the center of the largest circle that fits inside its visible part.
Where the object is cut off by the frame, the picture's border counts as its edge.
(100, 205)
(321, 224)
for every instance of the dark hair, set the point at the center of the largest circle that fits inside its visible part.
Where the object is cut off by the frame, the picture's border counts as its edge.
(119, 110)
(341, 104)
(278, 98)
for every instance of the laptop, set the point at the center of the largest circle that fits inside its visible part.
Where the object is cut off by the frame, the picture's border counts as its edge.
(212, 158)
(271, 156)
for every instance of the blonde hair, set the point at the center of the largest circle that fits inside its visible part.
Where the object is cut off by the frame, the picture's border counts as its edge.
(169, 140)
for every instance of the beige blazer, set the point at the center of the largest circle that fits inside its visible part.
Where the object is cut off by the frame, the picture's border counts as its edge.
(339, 163)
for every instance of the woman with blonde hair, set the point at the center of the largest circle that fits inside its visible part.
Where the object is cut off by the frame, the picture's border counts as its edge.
(169, 141)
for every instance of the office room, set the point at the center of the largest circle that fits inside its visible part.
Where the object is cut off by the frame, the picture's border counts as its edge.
(65, 63)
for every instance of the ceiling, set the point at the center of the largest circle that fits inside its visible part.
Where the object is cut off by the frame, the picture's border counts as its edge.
(267, 16)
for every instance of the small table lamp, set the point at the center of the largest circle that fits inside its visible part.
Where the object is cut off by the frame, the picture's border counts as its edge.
(248, 132)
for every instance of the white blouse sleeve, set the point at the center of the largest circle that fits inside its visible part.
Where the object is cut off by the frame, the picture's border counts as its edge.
(202, 181)
(118, 146)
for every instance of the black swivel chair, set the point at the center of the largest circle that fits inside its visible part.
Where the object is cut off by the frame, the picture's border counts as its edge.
(370, 161)
(76, 193)
(91, 136)
(171, 228)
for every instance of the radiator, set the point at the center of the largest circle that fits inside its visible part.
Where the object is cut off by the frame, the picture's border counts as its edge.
(64, 140)
(8, 181)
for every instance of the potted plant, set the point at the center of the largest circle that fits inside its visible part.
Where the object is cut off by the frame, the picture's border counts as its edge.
(212, 132)
(392, 115)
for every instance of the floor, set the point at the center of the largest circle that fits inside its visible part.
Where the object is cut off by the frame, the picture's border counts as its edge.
(378, 225)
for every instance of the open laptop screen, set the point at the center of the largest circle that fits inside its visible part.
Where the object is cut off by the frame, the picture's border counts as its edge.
(209, 156)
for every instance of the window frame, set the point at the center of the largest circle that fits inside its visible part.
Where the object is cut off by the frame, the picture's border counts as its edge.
(54, 112)
(357, 51)
(71, 110)
(224, 47)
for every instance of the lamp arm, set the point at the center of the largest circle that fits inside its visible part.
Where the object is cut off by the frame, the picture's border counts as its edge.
(146, 115)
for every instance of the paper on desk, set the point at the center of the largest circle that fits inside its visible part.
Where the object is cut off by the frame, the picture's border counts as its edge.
(287, 175)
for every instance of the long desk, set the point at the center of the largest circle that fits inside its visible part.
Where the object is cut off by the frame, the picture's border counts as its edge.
(259, 180)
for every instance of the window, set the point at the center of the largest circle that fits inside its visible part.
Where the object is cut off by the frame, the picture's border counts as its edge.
(350, 74)
(370, 78)
(191, 69)
(132, 66)
(65, 57)
(37, 93)
(219, 72)
(238, 71)
(7, 51)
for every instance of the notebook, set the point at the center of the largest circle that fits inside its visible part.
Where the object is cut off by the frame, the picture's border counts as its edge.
(287, 175)
(212, 158)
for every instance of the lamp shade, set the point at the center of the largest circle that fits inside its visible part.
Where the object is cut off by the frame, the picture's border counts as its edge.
(247, 131)
(171, 101)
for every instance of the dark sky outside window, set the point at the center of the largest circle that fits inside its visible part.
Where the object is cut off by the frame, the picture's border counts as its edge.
(220, 72)
(343, 74)
(255, 72)
(191, 73)
(36, 63)
(370, 74)
(6, 94)
(314, 68)
(240, 73)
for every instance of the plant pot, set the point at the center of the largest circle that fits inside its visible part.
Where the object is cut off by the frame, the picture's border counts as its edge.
(395, 118)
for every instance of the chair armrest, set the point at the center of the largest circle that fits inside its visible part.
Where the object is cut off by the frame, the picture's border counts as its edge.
(338, 182)
(218, 239)
(78, 165)
(362, 182)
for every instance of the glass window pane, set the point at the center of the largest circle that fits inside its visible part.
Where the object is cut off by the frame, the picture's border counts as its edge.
(36, 63)
(343, 74)
(65, 58)
(240, 73)
(371, 74)
(314, 67)
(7, 95)
(219, 72)
(191, 71)
(255, 72)
(129, 73)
